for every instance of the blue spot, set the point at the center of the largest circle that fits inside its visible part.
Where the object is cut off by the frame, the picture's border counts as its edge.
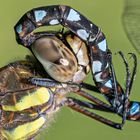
(73, 16)
(39, 15)
(96, 66)
(102, 45)
(19, 28)
(83, 34)
(54, 22)
(108, 84)
(134, 109)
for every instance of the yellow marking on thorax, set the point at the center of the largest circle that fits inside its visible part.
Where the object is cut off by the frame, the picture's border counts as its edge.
(24, 72)
(22, 132)
(39, 97)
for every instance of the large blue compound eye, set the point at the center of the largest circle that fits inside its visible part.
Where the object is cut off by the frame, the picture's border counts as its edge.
(58, 61)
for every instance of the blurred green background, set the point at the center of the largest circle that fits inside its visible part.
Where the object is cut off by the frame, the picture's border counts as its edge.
(69, 125)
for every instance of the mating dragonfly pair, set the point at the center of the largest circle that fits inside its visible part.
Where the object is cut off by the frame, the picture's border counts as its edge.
(32, 91)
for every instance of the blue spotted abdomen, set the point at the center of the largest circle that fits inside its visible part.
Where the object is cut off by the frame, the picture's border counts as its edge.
(101, 64)
(134, 111)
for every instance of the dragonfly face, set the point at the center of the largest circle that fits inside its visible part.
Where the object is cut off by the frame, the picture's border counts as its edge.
(64, 59)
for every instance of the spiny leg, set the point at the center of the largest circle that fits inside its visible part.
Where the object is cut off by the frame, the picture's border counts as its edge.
(73, 104)
(126, 95)
(94, 99)
(116, 98)
(46, 82)
(90, 105)
(133, 71)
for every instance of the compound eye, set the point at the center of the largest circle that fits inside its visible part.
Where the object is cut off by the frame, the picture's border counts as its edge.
(58, 61)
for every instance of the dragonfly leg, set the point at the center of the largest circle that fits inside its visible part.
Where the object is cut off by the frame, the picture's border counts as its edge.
(75, 105)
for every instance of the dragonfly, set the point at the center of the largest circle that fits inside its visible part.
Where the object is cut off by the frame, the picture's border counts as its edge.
(61, 60)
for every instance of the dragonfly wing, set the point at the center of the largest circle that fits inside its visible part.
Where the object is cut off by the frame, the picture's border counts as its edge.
(131, 22)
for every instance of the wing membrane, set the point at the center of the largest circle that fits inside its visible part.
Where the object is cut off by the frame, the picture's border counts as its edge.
(131, 22)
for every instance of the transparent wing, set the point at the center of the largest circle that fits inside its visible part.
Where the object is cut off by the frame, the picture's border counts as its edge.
(131, 22)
